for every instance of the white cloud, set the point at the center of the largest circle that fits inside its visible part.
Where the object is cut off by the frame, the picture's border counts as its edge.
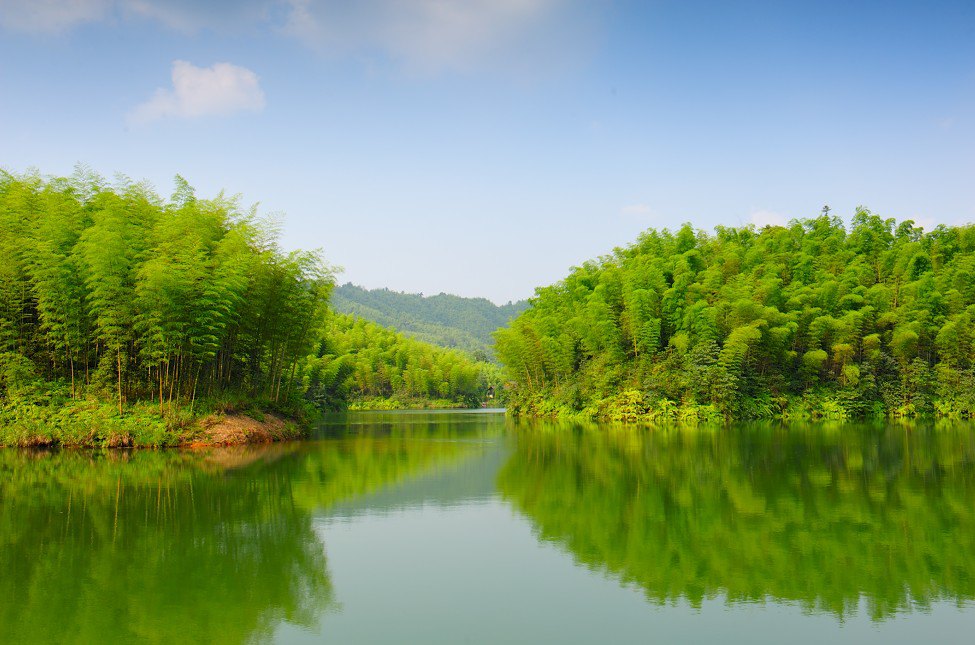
(641, 210)
(55, 16)
(219, 90)
(51, 16)
(193, 15)
(428, 35)
(763, 218)
(425, 36)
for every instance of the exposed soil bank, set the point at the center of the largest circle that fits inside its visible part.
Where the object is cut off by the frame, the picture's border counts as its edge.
(237, 429)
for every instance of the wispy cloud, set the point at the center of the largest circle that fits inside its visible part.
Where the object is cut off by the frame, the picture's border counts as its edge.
(421, 36)
(51, 16)
(218, 90)
(55, 16)
(638, 210)
(763, 218)
(425, 35)
(193, 15)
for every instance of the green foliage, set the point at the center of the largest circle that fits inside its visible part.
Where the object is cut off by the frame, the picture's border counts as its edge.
(806, 320)
(444, 320)
(112, 293)
(370, 366)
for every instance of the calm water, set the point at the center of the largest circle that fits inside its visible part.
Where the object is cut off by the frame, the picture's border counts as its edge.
(467, 528)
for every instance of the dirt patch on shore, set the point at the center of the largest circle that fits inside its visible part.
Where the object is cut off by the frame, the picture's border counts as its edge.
(238, 429)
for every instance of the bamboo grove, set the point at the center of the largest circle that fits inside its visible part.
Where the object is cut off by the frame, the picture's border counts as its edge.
(111, 291)
(362, 363)
(804, 320)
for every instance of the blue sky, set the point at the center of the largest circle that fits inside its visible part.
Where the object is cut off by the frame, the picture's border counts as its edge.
(482, 147)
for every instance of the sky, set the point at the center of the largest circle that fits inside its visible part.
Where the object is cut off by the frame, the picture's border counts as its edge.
(484, 147)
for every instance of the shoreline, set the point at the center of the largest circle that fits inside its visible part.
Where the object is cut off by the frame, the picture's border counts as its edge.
(93, 425)
(97, 424)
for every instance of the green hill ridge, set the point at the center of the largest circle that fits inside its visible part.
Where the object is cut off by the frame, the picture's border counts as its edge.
(445, 320)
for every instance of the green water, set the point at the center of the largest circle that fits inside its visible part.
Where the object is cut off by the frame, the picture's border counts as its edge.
(469, 528)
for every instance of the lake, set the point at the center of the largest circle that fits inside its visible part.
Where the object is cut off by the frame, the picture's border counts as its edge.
(467, 527)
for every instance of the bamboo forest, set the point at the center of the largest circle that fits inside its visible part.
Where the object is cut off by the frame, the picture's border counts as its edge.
(809, 320)
(112, 297)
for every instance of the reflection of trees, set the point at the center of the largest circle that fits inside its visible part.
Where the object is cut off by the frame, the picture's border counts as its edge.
(342, 470)
(151, 548)
(812, 516)
(177, 546)
(376, 449)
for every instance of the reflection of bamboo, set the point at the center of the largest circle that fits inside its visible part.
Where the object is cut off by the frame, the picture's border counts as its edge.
(67, 524)
(118, 494)
(148, 598)
(741, 487)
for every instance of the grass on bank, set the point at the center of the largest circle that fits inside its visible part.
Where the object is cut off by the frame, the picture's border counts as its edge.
(396, 403)
(47, 415)
(635, 406)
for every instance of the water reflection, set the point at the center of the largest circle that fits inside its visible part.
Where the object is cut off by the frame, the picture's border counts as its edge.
(213, 546)
(152, 547)
(232, 545)
(820, 516)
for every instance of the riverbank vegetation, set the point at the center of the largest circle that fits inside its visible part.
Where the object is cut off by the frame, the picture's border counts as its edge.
(129, 319)
(113, 290)
(807, 320)
(363, 365)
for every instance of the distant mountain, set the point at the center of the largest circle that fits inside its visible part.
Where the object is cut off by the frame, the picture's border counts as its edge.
(445, 320)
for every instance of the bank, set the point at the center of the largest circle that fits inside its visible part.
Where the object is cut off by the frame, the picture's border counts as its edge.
(96, 424)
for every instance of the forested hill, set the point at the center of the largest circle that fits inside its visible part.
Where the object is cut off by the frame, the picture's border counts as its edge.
(811, 319)
(445, 320)
(364, 364)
